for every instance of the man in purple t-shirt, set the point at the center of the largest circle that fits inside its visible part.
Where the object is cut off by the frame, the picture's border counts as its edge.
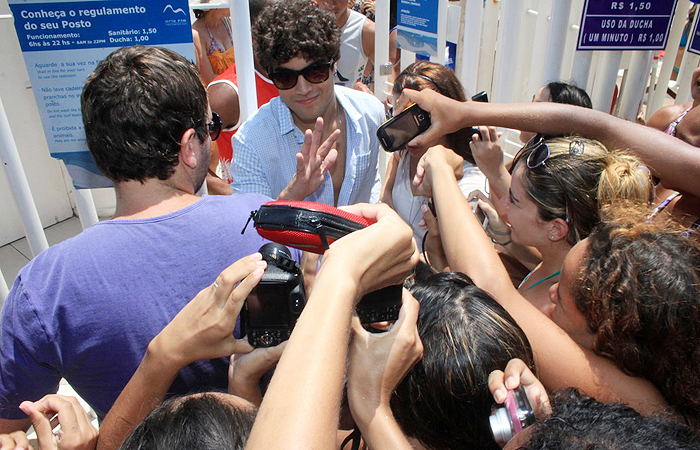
(87, 308)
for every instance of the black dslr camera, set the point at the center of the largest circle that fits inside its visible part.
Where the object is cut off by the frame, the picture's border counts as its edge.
(274, 305)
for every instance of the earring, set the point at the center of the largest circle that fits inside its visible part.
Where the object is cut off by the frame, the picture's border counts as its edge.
(551, 237)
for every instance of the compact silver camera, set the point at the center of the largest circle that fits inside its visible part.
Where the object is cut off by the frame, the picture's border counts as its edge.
(511, 418)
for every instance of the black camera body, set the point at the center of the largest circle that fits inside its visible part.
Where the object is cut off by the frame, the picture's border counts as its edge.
(274, 305)
(381, 305)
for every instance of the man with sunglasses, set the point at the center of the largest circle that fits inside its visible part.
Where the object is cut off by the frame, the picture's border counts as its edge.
(316, 141)
(87, 308)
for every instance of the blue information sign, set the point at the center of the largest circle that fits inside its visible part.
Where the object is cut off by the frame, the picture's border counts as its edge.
(62, 42)
(625, 25)
(417, 26)
(694, 41)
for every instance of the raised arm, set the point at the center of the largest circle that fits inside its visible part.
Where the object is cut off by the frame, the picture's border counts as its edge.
(560, 361)
(301, 406)
(203, 329)
(674, 161)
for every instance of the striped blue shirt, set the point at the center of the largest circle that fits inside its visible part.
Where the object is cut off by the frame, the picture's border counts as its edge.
(265, 148)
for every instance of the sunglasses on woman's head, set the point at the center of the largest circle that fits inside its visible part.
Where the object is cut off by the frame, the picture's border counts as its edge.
(539, 152)
(315, 73)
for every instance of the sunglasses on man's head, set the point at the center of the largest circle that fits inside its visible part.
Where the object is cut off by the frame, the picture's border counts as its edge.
(214, 127)
(315, 73)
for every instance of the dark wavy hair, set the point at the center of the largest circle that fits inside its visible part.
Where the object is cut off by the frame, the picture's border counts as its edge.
(574, 187)
(196, 422)
(292, 28)
(444, 401)
(136, 106)
(429, 75)
(639, 290)
(579, 422)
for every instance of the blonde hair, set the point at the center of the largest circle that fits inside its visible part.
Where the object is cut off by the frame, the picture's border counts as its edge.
(575, 185)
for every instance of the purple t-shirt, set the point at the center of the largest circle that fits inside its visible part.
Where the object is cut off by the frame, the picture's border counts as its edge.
(87, 308)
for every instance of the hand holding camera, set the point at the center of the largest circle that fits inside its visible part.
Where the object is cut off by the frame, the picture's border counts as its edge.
(523, 397)
(203, 329)
(246, 370)
(379, 255)
(395, 351)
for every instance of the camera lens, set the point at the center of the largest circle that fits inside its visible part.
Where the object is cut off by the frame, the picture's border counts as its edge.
(271, 250)
(508, 420)
(501, 426)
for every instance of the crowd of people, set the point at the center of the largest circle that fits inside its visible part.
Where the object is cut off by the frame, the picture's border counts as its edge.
(582, 289)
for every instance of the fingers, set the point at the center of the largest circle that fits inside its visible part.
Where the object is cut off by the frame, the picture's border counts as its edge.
(493, 134)
(13, 441)
(497, 387)
(316, 136)
(476, 194)
(517, 372)
(429, 221)
(247, 271)
(408, 314)
(328, 144)
(328, 162)
(369, 210)
(42, 427)
(304, 155)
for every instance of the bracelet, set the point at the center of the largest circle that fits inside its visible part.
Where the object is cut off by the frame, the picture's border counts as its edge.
(368, 80)
(507, 233)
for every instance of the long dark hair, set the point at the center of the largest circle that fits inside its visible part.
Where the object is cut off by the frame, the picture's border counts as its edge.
(444, 401)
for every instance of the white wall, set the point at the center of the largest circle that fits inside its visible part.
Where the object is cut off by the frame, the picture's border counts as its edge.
(45, 175)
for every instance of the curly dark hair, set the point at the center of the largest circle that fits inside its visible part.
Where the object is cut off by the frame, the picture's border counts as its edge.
(444, 400)
(579, 422)
(639, 290)
(429, 75)
(136, 106)
(292, 28)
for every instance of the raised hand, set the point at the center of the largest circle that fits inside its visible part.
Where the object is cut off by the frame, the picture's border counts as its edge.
(313, 162)
(378, 362)
(245, 371)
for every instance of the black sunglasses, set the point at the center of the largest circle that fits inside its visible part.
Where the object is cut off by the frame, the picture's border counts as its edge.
(313, 73)
(214, 127)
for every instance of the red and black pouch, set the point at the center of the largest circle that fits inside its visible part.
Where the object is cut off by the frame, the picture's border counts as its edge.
(312, 227)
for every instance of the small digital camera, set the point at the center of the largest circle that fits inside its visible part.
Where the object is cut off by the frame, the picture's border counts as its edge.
(271, 310)
(510, 419)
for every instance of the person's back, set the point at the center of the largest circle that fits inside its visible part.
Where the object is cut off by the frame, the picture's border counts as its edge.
(86, 309)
